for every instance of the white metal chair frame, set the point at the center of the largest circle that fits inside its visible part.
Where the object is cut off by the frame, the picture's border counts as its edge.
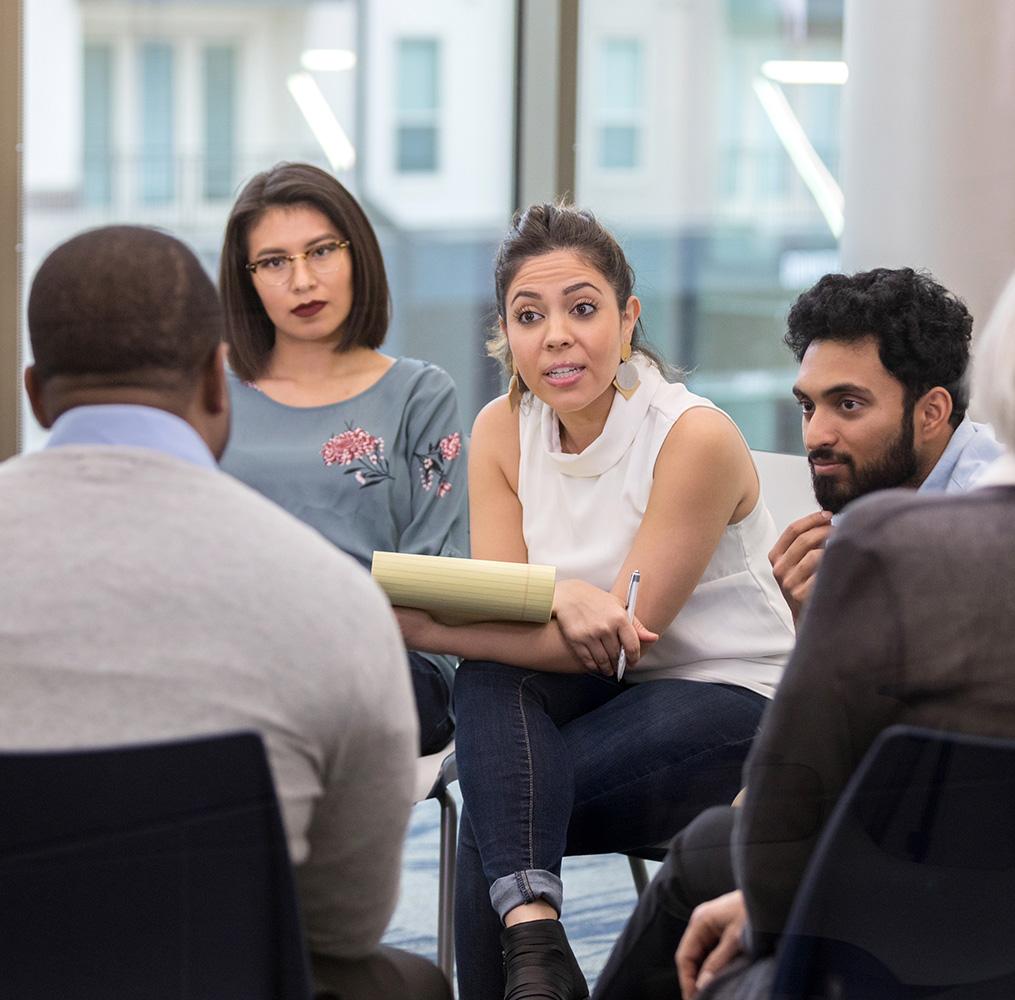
(434, 775)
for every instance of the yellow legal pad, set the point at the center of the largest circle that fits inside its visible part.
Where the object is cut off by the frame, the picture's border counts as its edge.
(459, 591)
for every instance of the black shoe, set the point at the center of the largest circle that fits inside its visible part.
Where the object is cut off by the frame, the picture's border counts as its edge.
(539, 963)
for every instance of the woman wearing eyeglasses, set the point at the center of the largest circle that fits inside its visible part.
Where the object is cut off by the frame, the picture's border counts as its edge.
(365, 447)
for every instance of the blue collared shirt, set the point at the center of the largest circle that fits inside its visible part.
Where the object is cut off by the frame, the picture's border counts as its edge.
(136, 426)
(971, 450)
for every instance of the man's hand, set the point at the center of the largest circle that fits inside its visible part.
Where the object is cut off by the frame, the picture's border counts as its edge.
(797, 555)
(712, 940)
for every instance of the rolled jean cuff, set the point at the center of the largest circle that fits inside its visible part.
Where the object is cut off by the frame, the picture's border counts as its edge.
(526, 887)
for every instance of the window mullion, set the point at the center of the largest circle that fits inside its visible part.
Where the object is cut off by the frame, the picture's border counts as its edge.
(547, 87)
(11, 24)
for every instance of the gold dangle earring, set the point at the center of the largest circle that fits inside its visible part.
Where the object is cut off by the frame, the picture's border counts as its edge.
(514, 387)
(626, 381)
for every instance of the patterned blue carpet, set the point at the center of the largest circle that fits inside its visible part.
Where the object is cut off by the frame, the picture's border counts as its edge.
(598, 897)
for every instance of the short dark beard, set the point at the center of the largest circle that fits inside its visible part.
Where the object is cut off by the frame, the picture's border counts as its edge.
(896, 466)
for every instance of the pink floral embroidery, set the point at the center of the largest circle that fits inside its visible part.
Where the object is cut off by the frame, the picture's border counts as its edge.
(451, 446)
(434, 461)
(363, 452)
(345, 448)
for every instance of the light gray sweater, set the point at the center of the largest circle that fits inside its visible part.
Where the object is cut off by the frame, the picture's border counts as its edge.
(144, 598)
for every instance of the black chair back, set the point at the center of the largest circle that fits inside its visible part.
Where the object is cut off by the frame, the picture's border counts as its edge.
(151, 872)
(911, 890)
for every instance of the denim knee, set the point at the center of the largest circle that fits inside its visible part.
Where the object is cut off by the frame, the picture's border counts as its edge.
(474, 676)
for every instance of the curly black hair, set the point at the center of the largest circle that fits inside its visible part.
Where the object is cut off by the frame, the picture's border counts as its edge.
(923, 331)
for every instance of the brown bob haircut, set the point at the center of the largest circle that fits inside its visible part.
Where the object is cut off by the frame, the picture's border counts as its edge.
(249, 332)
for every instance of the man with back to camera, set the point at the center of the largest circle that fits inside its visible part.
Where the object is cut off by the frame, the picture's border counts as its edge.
(882, 390)
(150, 596)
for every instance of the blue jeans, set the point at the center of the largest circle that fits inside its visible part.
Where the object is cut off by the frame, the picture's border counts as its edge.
(554, 764)
(433, 704)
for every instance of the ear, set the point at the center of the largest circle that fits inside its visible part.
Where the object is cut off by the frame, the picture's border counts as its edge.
(630, 317)
(214, 387)
(931, 414)
(34, 390)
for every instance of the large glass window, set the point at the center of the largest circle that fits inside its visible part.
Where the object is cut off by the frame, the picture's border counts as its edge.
(727, 202)
(166, 109)
(707, 137)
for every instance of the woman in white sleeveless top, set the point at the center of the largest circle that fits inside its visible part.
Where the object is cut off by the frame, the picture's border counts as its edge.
(595, 463)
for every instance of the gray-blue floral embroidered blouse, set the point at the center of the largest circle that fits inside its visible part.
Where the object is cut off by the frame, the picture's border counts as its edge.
(383, 470)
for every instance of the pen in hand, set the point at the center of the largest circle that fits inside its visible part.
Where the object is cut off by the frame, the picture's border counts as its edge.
(632, 599)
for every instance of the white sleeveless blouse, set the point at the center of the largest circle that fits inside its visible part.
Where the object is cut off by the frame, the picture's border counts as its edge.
(581, 513)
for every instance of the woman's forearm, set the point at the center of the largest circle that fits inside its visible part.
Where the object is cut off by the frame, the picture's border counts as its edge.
(538, 647)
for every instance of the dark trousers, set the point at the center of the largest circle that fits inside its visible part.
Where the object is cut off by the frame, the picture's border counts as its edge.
(433, 704)
(385, 974)
(554, 764)
(698, 867)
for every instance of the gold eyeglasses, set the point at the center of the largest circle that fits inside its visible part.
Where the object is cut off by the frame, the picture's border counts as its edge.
(278, 269)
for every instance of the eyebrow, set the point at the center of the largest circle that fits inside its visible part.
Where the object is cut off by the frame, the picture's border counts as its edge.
(842, 389)
(281, 250)
(577, 286)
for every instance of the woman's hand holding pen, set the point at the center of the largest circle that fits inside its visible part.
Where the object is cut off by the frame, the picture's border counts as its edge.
(595, 624)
